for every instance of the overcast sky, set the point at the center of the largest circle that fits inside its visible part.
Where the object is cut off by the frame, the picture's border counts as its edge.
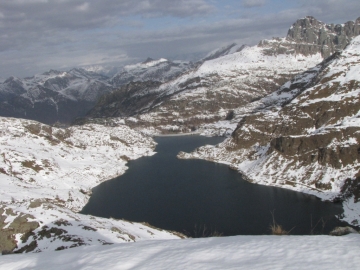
(37, 35)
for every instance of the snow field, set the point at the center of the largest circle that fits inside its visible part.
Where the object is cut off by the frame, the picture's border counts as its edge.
(236, 252)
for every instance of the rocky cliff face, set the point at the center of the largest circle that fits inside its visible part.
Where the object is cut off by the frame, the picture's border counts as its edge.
(305, 136)
(309, 36)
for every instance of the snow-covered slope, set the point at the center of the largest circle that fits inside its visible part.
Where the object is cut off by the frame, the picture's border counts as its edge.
(232, 77)
(236, 252)
(305, 136)
(161, 70)
(226, 50)
(46, 176)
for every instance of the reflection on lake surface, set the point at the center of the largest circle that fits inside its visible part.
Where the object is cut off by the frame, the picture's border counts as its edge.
(186, 195)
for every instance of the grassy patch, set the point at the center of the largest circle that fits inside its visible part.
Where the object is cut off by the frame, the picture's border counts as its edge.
(277, 229)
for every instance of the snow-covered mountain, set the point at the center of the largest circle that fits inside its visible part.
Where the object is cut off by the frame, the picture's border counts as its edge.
(305, 136)
(62, 96)
(52, 96)
(160, 70)
(46, 177)
(232, 77)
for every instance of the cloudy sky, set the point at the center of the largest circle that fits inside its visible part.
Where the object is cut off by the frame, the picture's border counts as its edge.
(37, 35)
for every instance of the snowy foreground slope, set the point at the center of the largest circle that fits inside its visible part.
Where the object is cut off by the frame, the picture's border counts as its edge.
(236, 252)
(305, 136)
(46, 176)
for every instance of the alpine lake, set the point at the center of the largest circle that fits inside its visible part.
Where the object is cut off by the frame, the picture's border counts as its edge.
(201, 198)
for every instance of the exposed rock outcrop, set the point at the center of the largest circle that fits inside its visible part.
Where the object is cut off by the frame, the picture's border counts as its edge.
(309, 36)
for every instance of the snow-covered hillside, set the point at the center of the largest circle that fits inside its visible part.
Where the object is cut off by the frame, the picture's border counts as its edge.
(46, 176)
(305, 136)
(236, 252)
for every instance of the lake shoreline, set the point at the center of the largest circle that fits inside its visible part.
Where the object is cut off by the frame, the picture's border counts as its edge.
(178, 134)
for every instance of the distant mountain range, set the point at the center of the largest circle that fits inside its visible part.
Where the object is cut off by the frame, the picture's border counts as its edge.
(62, 96)
(201, 92)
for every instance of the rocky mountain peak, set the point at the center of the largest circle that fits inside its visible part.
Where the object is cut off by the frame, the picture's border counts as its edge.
(320, 37)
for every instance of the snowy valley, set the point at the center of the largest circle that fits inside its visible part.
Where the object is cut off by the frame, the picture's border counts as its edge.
(290, 108)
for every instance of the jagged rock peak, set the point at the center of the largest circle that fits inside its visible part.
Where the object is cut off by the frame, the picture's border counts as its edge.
(327, 37)
(148, 60)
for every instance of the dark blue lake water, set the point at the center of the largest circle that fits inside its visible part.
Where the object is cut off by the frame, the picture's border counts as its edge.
(188, 195)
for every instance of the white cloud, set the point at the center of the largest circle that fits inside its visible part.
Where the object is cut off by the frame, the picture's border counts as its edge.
(253, 3)
(36, 35)
(83, 7)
